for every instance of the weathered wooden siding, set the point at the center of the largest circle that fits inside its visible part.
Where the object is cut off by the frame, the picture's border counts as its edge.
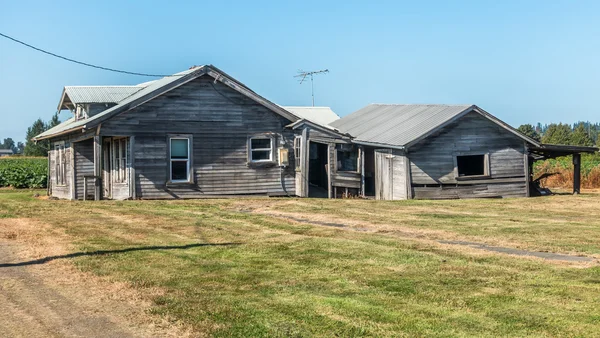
(84, 166)
(220, 121)
(390, 175)
(61, 191)
(432, 161)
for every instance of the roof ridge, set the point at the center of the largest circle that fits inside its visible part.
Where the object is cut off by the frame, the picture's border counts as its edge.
(422, 104)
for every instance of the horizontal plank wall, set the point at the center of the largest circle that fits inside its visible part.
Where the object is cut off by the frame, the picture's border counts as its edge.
(432, 161)
(220, 121)
(84, 166)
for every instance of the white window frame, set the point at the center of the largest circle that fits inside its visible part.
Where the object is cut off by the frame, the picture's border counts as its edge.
(252, 150)
(297, 150)
(188, 160)
(60, 172)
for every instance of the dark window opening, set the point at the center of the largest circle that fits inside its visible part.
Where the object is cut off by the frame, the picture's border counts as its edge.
(471, 165)
(347, 158)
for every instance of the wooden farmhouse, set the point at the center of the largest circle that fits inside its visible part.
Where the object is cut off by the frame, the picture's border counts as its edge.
(201, 133)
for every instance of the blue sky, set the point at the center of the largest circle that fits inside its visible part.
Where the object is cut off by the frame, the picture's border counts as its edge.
(523, 61)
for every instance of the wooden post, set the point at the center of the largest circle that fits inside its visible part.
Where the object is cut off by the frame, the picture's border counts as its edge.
(132, 186)
(331, 166)
(361, 154)
(576, 174)
(304, 158)
(97, 168)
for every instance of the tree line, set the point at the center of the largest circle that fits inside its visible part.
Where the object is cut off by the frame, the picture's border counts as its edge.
(31, 148)
(578, 134)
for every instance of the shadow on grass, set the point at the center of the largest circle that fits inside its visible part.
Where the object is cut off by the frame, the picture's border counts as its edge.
(108, 252)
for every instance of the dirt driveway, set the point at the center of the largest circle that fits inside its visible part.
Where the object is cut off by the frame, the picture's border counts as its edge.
(42, 294)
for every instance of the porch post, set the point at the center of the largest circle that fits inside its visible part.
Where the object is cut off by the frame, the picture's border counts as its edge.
(97, 168)
(576, 173)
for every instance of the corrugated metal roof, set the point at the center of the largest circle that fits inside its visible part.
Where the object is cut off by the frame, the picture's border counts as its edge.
(319, 115)
(154, 86)
(396, 124)
(100, 94)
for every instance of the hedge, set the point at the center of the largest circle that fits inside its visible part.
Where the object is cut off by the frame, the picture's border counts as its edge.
(23, 172)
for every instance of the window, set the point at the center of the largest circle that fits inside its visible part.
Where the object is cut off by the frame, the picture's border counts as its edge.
(297, 148)
(347, 157)
(119, 159)
(472, 165)
(180, 159)
(60, 162)
(261, 149)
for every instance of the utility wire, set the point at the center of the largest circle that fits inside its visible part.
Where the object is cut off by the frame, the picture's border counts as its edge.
(82, 63)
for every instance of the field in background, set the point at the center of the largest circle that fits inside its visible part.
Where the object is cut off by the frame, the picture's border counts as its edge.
(264, 267)
(23, 172)
(563, 168)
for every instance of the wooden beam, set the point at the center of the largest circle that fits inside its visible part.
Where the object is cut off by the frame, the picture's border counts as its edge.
(330, 167)
(576, 174)
(97, 168)
(132, 184)
(361, 154)
(304, 158)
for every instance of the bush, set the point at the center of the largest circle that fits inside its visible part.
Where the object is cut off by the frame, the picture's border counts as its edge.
(23, 172)
(563, 168)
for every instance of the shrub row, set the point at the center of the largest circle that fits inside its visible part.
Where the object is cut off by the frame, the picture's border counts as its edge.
(23, 172)
(562, 167)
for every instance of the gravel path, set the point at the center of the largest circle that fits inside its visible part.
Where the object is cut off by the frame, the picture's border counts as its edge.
(32, 307)
(480, 246)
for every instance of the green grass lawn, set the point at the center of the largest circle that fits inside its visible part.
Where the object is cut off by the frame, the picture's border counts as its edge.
(253, 274)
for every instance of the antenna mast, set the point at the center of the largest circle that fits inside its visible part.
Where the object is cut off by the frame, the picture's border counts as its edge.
(304, 75)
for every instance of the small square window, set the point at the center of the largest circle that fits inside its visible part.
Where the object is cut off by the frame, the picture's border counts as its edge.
(261, 149)
(471, 165)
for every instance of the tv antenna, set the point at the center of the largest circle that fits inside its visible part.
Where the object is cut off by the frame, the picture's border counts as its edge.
(305, 75)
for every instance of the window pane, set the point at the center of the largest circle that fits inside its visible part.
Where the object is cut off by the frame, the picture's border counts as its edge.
(261, 155)
(347, 160)
(261, 143)
(471, 165)
(179, 148)
(179, 170)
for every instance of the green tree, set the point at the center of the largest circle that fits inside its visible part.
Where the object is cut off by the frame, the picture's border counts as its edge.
(32, 148)
(54, 121)
(557, 134)
(529, 130)
(8, 143)
(580, 136)
(20, 147)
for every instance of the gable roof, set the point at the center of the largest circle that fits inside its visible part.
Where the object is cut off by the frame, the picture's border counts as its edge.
(73, 95)
(402, 125)
(319, 115)
(157, 88)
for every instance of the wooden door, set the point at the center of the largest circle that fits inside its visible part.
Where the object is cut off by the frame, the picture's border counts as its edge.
(383, 174)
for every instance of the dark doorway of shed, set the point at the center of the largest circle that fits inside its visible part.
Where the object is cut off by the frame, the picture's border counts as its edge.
(317, 170)
(369, 154)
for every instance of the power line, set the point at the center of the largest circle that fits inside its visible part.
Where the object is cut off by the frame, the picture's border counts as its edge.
(82, 63)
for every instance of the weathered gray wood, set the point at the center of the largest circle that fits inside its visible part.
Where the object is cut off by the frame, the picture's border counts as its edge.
(84, 166)
(433, 159)
(132, 179)
(361, 153)
(220, 120)
(97, 167)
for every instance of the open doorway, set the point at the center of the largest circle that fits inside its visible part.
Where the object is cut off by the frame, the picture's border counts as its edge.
(317, 170)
